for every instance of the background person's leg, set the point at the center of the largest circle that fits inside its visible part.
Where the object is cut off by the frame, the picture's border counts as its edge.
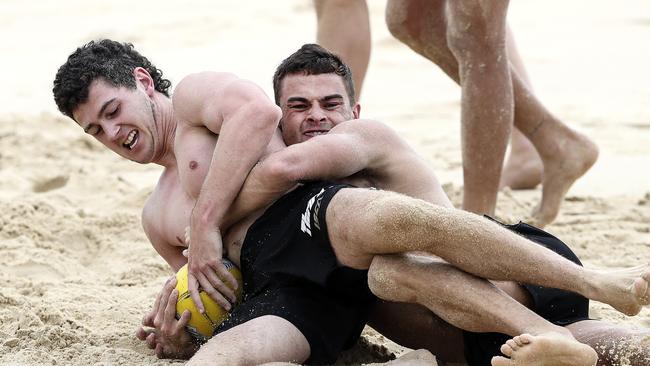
(566, 154)
(523, 167)
(476, 32)
(344, 28)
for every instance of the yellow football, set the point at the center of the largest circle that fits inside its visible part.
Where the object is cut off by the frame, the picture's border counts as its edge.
(200, 325)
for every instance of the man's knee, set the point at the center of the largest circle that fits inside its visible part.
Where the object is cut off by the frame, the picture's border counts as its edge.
(475, 29)
(417, 23)
(387, 278)
(264, 339)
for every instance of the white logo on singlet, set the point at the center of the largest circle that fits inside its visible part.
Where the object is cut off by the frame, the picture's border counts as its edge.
(305, 223)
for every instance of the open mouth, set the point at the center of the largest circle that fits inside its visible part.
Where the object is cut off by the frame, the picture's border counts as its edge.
(131, 139)
(313, 133)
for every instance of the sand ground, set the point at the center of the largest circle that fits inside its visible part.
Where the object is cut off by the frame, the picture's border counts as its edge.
(76, 270)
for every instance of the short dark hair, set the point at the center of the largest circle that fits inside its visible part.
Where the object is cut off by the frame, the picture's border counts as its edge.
(312, 59)
(110, 60)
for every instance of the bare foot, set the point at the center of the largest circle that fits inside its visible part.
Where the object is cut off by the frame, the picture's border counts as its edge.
(523, 169)
(625, 290)
(552, 349)
(573, 158)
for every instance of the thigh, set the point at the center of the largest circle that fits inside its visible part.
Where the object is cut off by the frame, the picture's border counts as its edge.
(264, 339)
(362, 223)
(353, 218)
(421, 25)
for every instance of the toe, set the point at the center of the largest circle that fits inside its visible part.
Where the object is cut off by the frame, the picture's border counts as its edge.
(506, 349)
(513, 344)
(500, 361)
(525, 338)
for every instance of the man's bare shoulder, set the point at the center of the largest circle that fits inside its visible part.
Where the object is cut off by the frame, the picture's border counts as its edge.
(371, 131)
(201, 79)
(194, 91)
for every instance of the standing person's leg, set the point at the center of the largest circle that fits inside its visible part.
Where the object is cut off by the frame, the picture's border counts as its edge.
(364, 223)
(523, 168)
(476, 33)
(566, 154)
(344, 28)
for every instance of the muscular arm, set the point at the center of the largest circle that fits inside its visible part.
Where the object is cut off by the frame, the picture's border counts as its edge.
(349, 148)
(243, 117)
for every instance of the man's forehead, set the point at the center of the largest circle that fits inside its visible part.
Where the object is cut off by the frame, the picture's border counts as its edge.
(313, 85)
(98, 92)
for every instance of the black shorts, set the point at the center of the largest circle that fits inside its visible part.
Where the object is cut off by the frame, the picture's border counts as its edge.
(290, 270)
(557, 306)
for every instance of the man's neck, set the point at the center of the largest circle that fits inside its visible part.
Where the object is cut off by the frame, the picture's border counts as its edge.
(164, 115)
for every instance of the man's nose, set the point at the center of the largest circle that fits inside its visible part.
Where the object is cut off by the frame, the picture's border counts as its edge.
(316, 114)
(112, 130)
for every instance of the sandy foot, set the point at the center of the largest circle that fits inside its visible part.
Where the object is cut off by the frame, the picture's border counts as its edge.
(573, 159)
(548, 349)
(625, 290)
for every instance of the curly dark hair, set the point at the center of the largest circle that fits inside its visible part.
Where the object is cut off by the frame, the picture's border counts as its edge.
(312, 59)
(110, 60)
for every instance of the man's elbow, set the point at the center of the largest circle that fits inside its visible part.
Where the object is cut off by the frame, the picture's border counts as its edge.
(281, 171)
(266, 116)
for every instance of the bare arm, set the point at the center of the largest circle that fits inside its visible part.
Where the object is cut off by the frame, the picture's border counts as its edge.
(244, 119)
(349, 148)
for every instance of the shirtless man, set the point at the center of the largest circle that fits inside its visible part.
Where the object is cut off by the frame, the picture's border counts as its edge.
(468, 40)
(355, 240)
(306, 90)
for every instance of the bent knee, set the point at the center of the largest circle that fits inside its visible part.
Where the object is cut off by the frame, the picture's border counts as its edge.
(417, 23)
(264, 339)
(387, 278)
(396, 16)
(473, 31)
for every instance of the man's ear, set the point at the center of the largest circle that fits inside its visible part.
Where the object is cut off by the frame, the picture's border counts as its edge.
(143, 78)
(356, 111)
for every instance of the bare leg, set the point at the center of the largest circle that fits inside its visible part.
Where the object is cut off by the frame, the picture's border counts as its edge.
(523, 168)
(364, 223)
(465, 301)
(344, 28)
(476, 32)
(566, 154)
(615, 345)
(445, 290)
(264, 339)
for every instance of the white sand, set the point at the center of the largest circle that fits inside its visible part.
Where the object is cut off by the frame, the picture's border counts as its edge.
(76, 271)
